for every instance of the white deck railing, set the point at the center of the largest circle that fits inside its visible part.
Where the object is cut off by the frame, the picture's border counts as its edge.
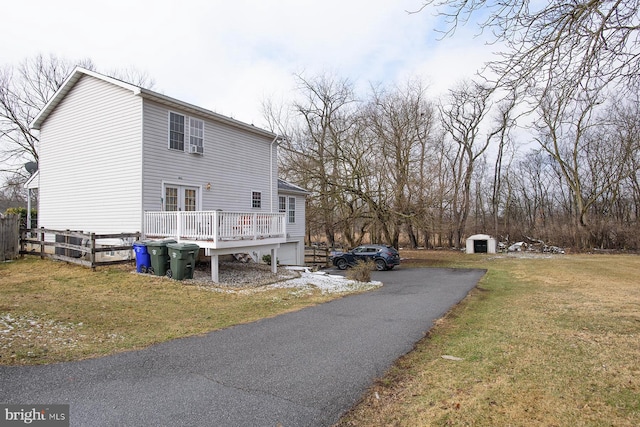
(215, 226)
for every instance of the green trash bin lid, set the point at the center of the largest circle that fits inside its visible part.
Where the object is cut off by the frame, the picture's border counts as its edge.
(183, 246)
(163, 242)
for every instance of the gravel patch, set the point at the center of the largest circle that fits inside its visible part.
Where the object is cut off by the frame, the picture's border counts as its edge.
(251, 277)
(241, 275)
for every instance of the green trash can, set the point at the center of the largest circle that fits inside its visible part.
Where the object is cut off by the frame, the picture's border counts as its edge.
(159, 256)
(182, 260)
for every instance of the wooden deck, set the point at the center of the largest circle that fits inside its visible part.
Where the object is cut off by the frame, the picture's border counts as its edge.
(218, 229)
(220, 232)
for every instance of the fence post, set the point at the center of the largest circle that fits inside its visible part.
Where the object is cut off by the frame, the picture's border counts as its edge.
(23, 247)
(178, 225)
(42, 243)
(92, 254)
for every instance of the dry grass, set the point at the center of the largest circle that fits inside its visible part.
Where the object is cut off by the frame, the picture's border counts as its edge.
(52, 311)
(361, 272)
(549, 341)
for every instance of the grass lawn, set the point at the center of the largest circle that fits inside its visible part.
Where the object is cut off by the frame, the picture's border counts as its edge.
(548, 341)
(542, 341)
(53, 311)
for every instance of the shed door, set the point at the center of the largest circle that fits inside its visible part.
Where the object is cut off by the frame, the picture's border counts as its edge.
(180, 198)
(480, 246)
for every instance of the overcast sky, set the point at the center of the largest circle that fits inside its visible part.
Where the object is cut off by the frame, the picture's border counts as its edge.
(229, 56)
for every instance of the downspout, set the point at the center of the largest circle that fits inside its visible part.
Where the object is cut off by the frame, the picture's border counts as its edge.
(276, 139)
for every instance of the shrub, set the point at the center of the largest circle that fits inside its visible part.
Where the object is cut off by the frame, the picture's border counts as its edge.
(267, 259)
(361, 272)
(22, 211)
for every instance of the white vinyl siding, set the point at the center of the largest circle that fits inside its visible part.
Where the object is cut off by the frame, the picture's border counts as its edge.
(236, 163)
(90, 160)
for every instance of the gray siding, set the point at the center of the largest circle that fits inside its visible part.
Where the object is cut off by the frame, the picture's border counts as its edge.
(90, 154)
(298, 228)
(292, 253)
(235, 162)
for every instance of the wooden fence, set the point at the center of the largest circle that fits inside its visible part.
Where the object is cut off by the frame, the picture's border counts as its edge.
(9, 237)
(318, 257)
(75, 246)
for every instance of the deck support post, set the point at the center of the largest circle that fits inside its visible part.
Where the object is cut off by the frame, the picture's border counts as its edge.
(274, 260)
(214, 268)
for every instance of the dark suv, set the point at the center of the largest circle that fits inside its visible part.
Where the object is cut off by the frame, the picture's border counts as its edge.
(385, 257)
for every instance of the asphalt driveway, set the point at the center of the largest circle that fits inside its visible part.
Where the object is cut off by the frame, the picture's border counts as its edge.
(299, 369)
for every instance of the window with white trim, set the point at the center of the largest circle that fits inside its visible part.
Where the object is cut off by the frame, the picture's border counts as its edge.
(176, 131)
(196, 136)
(171, 199)
(256, 199)
(292, 210)
(190, 201)
(180, 198)
(282, 204)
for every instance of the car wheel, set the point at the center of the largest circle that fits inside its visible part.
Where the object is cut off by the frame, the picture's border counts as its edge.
(381, 265)
(341, 264)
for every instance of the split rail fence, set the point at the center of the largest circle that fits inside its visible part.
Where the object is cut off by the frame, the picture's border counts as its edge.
(76, 246)
(318, 257)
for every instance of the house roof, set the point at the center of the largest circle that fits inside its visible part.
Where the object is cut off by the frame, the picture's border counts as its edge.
(79, 72)
(33, 182)
(287, 187)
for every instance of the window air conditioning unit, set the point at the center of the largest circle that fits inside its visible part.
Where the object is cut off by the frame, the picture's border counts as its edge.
(193, 149)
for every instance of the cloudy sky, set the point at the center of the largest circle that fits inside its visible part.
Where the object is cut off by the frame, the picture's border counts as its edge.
(229, 56)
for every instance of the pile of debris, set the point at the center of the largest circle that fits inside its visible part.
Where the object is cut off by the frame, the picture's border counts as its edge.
(533, 245)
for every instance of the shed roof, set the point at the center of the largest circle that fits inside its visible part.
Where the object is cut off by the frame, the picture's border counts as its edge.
(479, 237)
(288, 187)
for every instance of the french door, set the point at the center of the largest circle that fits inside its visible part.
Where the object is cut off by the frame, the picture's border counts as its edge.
(180, 198)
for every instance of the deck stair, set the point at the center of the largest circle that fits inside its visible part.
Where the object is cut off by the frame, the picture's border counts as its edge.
(244, 258)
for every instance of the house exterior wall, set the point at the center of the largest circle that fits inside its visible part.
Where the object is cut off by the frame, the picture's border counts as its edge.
(292, 252)
(235, 163)
(90, 154)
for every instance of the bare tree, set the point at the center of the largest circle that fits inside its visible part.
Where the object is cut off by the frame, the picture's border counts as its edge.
(556, 43)
(462, 114)
(504, 122)
(315, 144)
(402, 122)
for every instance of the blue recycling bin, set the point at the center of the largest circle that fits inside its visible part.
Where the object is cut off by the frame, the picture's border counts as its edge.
(143, 259)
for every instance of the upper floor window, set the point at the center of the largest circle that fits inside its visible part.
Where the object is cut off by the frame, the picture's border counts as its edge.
(176, 131)
(292, 210)
(256, 199)
(282, 204)
(196, 136)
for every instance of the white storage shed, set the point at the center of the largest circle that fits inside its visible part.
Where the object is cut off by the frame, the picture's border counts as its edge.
(481, 244)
